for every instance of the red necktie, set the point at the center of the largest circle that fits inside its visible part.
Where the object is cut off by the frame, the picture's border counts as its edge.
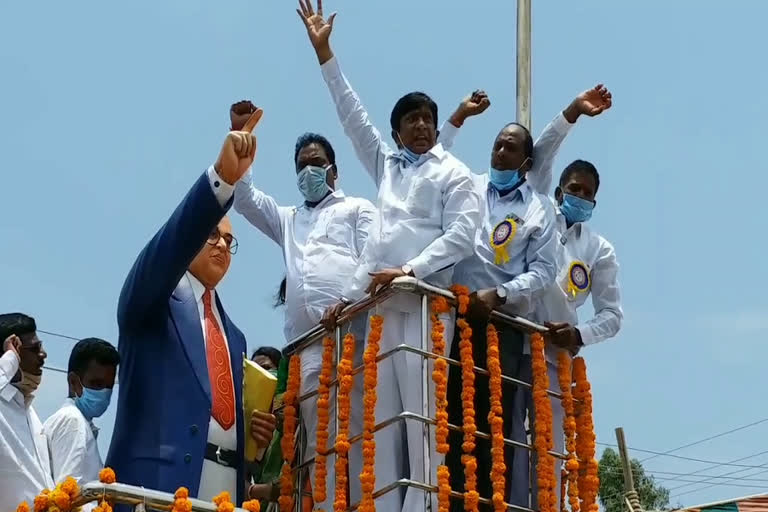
(219, 369)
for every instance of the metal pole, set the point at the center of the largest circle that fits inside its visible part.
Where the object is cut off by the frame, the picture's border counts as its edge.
(524, 63)
(425, 398)
(629, 483)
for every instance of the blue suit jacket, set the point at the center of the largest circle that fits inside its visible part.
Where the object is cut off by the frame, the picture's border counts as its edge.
(164, 399)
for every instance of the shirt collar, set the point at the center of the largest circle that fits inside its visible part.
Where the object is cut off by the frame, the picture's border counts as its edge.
(11, 394)
(576, 228)
(523, 192)
(198, 288)
(94, 428)
(333, 196)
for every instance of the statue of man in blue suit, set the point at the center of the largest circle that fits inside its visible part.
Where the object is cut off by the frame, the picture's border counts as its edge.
(179, 414)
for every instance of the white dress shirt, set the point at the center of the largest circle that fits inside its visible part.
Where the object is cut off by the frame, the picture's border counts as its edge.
(215, 478)
(321, 247)
(25, 468)
(72, 444)
(428, 212)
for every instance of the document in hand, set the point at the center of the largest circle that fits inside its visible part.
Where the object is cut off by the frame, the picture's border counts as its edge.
(258, 390)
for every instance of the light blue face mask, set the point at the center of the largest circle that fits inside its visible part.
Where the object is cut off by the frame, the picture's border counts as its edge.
(93, 402)
(273, 372)
(312, 182)
(576, 209)
(504, 181)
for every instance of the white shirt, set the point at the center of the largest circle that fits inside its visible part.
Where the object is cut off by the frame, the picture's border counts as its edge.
(531, 267)
(25, 468)
(72, 444)
(579, 243)
(428, 213)
(321, 247)
(215, 477)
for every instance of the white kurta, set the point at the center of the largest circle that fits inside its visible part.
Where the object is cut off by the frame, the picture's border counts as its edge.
(25, 468)
(428, 214)
(72, 443)
(321, 246)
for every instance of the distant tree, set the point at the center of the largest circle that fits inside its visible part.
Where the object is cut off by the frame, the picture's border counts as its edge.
(652, 495)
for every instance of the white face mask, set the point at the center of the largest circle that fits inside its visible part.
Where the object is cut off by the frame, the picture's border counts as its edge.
(28, 384)
(313, 184)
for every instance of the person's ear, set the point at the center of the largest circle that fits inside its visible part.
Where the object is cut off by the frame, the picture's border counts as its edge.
(559, 195)
(75, 386)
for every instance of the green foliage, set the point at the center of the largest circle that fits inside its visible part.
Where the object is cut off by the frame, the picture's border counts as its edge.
(652, 495)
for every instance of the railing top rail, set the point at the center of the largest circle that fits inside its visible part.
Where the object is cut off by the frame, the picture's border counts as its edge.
(132, 495)
(400, 285)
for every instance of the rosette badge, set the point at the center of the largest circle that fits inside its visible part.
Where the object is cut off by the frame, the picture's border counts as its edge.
(578, 278)
(501, 236)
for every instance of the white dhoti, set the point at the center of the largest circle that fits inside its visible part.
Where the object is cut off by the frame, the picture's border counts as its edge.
(400, 446)
(311, 366)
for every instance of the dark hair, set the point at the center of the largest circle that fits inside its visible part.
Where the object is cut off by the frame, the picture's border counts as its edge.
(272, 353)
(580, 166)
(16, 323)
(314, 138)
(92, 349)
(408, 103)
(528, 139)
(280, 295)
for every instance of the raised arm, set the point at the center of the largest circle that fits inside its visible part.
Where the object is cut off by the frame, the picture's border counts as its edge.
(591, 102)
(261, 210)
(474, 104)
(366, 139)
(163, 261)
(366, 214)
(606, 299)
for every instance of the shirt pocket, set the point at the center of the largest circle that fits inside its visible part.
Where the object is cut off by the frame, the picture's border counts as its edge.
(339, 234)
(425, 198)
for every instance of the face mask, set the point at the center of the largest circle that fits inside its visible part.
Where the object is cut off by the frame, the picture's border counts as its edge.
(93, 402)
(312, 184)
(504, 181)
(273, 372)
(406, 154)
(28, 384)
(576, 209)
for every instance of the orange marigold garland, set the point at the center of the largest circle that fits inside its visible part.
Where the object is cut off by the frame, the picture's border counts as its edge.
(23, 507)
(223, 502)
(41, 501)
(252, 506)
(370, 380)
(288, 442)
(469, 427)
(496, 420)
(344, 373)
(440, 378)
(107, 476)
(588, 481)
(571, 471)
(181, 501)
(543, 440)
(323, 419)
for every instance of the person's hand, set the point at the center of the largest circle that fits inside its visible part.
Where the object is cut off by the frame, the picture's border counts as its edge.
(565, 336)
(591, 102)
(474, 104)
(13, 344)
(318, 28)
(263, 426)
(482, 302)
(238, 151)
(382, 278)
(331, 314)
(239, 114)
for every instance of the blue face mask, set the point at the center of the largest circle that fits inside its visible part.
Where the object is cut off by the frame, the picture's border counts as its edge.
(409, 155)
(504, 181)
(576, 209)
(93, 402)
(312, 183)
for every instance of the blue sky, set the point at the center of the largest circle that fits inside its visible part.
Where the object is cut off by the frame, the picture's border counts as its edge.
(111, 111)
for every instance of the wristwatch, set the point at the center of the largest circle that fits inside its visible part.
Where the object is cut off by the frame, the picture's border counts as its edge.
(407, 270)
(502, 293)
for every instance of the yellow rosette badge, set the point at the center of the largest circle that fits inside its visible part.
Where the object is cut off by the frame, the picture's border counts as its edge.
(502, 234)
(578, 279)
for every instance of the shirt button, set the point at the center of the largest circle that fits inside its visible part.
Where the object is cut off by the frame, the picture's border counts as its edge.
(187, 458)
(216, 184)
(193, 429)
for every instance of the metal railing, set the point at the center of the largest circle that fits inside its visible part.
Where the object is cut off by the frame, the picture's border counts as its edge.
(140, 498)
(408, 285)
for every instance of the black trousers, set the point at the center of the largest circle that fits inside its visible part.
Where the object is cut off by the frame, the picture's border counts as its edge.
(511, 355)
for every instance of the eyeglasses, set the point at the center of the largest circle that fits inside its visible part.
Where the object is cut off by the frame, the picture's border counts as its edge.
(215, 236)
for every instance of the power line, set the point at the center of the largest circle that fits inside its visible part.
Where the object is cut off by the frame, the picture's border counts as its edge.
(58, 335)
(721, 434)
(693, 459)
